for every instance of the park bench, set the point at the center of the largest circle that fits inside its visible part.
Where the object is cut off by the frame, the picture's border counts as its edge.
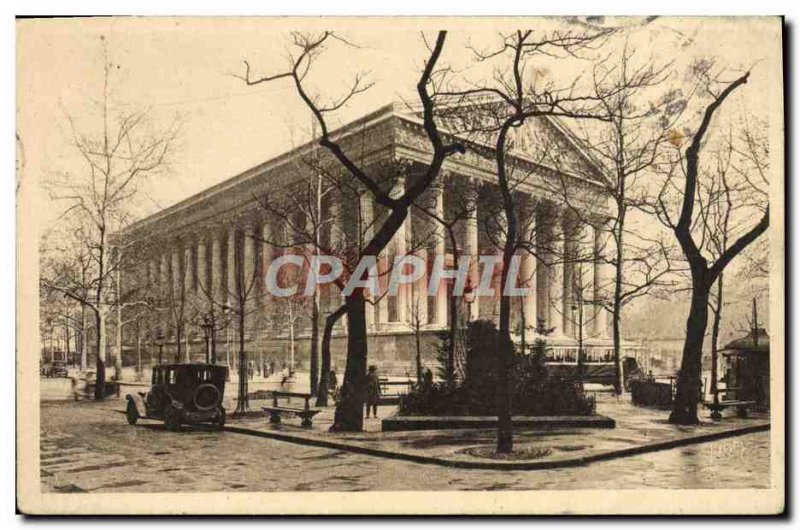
(275, 411)
(389, 397)
(740, 406)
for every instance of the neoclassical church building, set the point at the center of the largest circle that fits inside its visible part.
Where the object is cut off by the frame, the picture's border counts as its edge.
(205, 257)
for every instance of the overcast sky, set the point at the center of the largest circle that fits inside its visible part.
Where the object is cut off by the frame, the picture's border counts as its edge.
(184, 66)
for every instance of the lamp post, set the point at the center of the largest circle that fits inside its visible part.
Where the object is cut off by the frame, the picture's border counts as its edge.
(207, 326)
(160, 344)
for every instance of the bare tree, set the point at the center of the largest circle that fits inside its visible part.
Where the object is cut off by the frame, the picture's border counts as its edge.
(349, 410)
(116, 161)
(638, 117)
(510, 103)
(460, 206)
(684, 183)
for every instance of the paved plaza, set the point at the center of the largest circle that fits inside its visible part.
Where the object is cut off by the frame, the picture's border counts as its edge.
(89, 447)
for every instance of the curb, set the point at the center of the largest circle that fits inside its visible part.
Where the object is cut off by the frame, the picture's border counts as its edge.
(500, 465)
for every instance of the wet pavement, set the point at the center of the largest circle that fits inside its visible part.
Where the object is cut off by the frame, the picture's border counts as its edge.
(89, 446)
(637, 430)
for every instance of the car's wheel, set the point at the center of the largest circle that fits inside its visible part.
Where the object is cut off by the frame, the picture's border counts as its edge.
(207, 397)
(132, 412)
(219, 420)
(172, 418)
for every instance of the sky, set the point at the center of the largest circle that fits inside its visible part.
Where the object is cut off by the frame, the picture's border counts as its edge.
(185, 67)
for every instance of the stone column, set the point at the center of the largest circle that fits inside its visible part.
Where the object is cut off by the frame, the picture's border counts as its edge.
(527, 275)
(555, 275)
(399, 244)
(470, 248)
(569, 284)
(249, 289)
(266, 259)
(216, 282)
(439, 250)
(336, 242)
(188, 266)
(163, 277)
(175, 269)
(544, 235)
(231, 293)
(175, 281)
(367, 229)
(203, 285)
(603, 278)
(586, 271)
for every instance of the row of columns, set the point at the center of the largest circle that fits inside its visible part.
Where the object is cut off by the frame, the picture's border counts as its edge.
(569, 258)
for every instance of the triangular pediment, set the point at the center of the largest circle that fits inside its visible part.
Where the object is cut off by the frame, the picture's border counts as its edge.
(543, 139)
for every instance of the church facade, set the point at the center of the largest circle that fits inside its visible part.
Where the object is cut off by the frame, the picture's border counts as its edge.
(203, 260)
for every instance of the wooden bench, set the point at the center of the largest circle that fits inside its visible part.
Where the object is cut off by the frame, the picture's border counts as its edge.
(393, 398)
(275, 411)
(740, 406)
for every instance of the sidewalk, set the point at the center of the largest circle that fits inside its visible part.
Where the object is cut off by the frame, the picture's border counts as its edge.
(638, 430)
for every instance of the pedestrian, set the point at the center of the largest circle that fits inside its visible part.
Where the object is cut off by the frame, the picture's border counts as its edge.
(332, 382)
(373, 390)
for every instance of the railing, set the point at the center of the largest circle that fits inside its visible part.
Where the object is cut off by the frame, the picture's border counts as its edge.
(569, 355)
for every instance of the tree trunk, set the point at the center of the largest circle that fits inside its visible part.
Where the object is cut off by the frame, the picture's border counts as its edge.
(100, 380)
(453, 332)
(118, 348)
(453, 302)
(118, 356)
(139, 353)
(66, 335)
(715, 339)
(616, 316)
(417, 333)
(505, 347)
(83, 346)
(242, 403)
(349, 414)
(314, 361)
(324, 380)
(684, 409)
(213, 337)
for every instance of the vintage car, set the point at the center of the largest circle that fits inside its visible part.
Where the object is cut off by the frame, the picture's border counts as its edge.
(182, 394)
(58, 369)
(55, 369)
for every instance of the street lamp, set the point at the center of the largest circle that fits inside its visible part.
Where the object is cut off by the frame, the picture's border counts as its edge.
(207, 327)
(160, 344)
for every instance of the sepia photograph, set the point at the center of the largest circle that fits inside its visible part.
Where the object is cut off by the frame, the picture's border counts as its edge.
(400, 266)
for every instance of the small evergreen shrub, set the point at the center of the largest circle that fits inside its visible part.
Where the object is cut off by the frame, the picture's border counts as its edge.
(534, 391)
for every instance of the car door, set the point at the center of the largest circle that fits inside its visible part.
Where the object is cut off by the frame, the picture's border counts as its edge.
(155, 398)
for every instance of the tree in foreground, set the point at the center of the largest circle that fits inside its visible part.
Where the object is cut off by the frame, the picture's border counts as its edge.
(349, 414)
(510, 102)
(684, 182)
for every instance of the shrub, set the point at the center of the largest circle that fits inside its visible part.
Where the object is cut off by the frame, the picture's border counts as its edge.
(534, 391)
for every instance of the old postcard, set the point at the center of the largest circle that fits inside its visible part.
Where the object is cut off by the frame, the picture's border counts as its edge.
(400, 265)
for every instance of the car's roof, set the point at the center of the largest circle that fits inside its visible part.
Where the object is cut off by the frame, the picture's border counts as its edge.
(193, 366)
